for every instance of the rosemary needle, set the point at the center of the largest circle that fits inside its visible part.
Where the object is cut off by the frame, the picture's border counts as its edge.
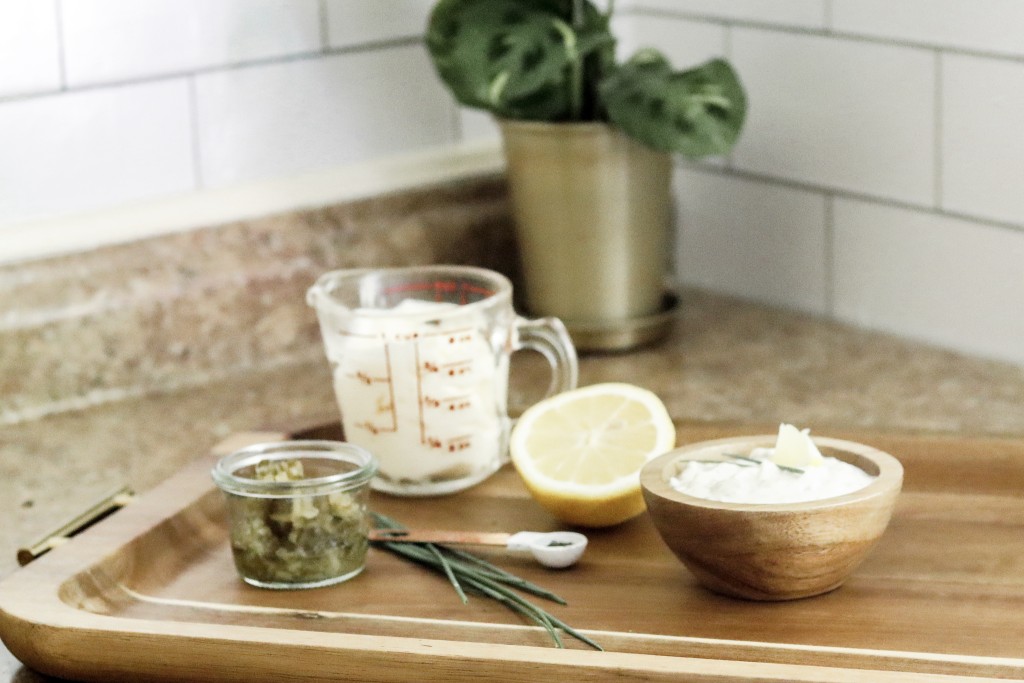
(449, 572)
(522, 606)
(785, 468)
(744, 458)
(511, 579)
(467, 572)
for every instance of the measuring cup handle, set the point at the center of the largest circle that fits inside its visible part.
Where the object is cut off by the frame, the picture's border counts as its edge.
(549, 337)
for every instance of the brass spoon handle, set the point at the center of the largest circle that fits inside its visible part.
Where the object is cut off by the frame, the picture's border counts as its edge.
(108, 504)
(450, 537)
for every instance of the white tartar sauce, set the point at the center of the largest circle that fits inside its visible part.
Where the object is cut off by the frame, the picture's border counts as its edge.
(766, 482)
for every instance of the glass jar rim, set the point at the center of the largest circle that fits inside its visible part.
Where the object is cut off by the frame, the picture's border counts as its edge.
(224, 476)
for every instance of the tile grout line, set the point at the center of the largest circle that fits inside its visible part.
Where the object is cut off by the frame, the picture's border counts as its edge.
(325, 39)
(729, 166)
(830, 255)
(939, 131)
(456, 123)
(62, 66)
(794, 29)
(326, 50)
(840, 193)
(197, 152)
(375, 46)
(728, 51)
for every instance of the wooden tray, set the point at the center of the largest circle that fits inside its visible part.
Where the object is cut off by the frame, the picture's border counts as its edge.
(151, 593)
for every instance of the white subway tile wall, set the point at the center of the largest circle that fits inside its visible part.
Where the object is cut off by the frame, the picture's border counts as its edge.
(982, 143)
(108, 102)
(112, 40)
(795, 13)
(685, 43)
(839, 113)
(290, 118)
(29, 53)
(885, 136)
(357, 22)
(476, 125)
(995, 26)
(94, 148)
(941, 279)
(759, 241)
(904, 120)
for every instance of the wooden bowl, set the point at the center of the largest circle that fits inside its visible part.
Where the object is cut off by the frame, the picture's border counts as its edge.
(772, 551)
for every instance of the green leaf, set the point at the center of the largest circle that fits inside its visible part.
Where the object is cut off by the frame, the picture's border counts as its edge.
(516, 58)
(698, 112)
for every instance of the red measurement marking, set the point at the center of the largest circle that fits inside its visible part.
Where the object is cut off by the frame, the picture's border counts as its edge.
(391, 388)
(451, 369)
(367, 379)
(440, 289)
(419, 391)
(473, 289)
(411, 287)
(450, 404)
(373, 428)
(459, 443)
(458, 368)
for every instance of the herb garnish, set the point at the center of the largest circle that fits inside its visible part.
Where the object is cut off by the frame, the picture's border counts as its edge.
(468, 572)
(750, 462)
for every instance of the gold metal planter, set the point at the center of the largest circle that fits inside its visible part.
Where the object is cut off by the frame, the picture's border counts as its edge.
(592, 209)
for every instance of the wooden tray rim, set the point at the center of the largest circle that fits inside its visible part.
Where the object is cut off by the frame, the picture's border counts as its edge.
(53, 643)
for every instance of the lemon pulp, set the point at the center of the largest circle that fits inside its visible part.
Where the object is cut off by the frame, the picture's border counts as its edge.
(580, 452)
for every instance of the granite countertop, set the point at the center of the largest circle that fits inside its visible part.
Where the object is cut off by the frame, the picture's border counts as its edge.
(724, 360)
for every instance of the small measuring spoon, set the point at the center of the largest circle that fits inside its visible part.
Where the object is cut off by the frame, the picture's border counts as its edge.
(555, 549)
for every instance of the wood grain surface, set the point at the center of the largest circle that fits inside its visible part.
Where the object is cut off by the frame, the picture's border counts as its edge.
(152, 592)
(772, 552)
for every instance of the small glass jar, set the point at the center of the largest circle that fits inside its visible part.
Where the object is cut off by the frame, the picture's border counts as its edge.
(297, 511)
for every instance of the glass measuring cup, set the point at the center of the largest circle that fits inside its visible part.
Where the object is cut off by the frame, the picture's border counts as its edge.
(420, 363)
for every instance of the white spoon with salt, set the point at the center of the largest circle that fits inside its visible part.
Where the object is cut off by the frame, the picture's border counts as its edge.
(554, 549)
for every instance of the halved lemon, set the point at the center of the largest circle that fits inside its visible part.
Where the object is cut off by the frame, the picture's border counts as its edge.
(580, 452)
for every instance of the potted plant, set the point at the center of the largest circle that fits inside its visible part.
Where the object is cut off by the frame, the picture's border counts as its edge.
(589, 144)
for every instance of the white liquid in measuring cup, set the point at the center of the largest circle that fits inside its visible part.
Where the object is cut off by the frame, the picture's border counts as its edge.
(421, 388)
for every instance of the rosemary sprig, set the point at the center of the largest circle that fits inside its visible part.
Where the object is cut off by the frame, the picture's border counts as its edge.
(745, 458)
(449, 572)
(468, 573)
(505, 577)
